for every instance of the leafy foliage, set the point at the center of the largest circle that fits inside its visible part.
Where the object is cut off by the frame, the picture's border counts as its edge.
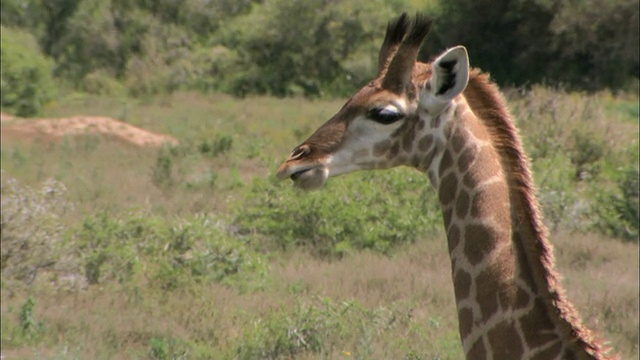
(314, 328)
(27, 82)
(374, 211)
(174, 254)
(584, 44)
(328, 48)
(618, 214)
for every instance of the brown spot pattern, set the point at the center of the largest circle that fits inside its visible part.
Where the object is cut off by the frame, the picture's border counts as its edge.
(477, 351)
(415, 160)
(505, 342)
(425, 143)
(453, 237)
(538, 325)
(407, 141)
(482, 169)
(525, 271)
(493, 199)
(466, 158)
(551, 353)
(426, 162)
(462, 286)
(446, 163)
(446, 216)
(448, 189)
(495, 289)
(458, 140)
(462, 204)
(521, 299)
(479, 240)
(380, 148)
(465, 322)
(393, 151)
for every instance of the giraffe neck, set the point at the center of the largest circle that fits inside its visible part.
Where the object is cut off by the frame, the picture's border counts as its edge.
(509, 301)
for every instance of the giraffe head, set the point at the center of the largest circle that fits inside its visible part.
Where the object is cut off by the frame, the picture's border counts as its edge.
(386, 122)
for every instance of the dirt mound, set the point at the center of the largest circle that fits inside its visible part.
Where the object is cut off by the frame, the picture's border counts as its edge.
(13, 127)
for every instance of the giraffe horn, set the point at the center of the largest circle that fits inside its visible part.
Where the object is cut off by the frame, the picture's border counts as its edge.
(400, 68)
(396, 31)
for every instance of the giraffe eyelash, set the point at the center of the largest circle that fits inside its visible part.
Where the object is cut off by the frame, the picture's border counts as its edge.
(384, 115)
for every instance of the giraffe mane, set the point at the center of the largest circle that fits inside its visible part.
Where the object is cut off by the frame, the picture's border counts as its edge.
(529, 232)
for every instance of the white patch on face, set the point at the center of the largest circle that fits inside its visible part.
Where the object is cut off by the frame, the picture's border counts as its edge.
(360, 137)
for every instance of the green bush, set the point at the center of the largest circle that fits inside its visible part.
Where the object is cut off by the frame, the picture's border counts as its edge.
(102, 83)
(586, 154)
(172, 254)
(557, 193)
(167, 348)
(24, 328)
(584, 44)
(221, 144)
(328, 48)
(618, 214)
(162, 171)
(374, 210)
(305, 328)
(27, 84)
(319, 329)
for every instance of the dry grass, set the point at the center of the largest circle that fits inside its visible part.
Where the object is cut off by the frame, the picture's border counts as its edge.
(601, 278)
(413, 288)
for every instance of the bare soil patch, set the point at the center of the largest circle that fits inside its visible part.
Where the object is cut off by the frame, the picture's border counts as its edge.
(53, 129)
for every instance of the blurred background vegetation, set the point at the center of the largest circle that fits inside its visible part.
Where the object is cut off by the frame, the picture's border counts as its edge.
(196, 251)
(314, 48)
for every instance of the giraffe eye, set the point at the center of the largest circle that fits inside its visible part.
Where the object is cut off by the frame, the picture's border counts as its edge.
(384, 115)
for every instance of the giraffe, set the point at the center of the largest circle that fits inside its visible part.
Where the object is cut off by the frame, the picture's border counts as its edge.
(451, 122)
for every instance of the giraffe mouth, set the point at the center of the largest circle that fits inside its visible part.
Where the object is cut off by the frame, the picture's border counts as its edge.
(307, 178)
(296, 175)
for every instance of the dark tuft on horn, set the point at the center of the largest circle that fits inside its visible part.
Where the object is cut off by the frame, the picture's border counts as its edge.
(396, 31)
(399, 69)
(419, 29)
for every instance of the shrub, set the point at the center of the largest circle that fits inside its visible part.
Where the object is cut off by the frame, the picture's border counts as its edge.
(375, 210)
(25, 329)
(167, 348)
(32, 230)
(557, 194)
(27, 84)
(312, 53)
(618, 214)
(586, 152)
(221, 144)
(291, 332)
(584, 44)
(162, 172)
(110, 248)
(173, 254)
(102, 83)
(320, 328)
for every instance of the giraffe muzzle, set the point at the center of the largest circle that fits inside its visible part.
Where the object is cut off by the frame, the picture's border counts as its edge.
(304, 176)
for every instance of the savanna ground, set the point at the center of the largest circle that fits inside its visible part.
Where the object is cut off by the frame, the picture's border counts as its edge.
(194, 251)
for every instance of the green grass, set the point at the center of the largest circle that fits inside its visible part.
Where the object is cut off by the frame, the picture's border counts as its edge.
(201, 254)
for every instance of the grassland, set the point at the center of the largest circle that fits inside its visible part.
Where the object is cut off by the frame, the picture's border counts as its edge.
(196, 252)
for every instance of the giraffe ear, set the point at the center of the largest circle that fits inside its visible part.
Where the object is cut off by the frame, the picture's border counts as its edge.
(450, 74)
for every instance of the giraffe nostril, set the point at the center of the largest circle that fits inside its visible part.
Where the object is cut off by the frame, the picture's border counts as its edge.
(299, 152)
